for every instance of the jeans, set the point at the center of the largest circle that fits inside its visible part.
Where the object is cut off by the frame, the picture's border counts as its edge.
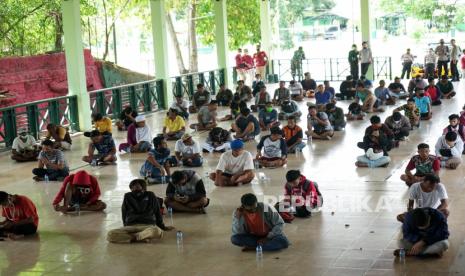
(52, 174)
(429, 70)
(276, 243)
(454, 71)
(364, 68)
(354, 70)
(196, 162)
(442, 64)
(374, 163)
(298, 147)
(435, 248)
(407, 68)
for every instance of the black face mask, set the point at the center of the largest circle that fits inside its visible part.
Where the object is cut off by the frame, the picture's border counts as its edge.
(138, 193)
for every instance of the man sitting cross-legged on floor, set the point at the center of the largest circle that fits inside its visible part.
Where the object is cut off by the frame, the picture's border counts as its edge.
(425, 233)
(142, 218)
(427, 193)
(52, 163)
(80, 189)
(423, 164)
(234, 167)
(318, 124)
(256, 223)
(293, 135)
(449, 148)
(206, 119)
(186, 192)
(246, 126)
(158, 162)
(399, 125)
(187, 151)
(105, 146)
(174, 125)
(274, 149)
(20, 215)
(24, 148)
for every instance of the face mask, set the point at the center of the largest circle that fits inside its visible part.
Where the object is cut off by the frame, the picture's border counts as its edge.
(422, 94)
(138, 193)
(269, 109)
(354, 48)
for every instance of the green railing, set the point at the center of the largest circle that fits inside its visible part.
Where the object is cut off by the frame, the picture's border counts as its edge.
(35, 116)
(186, 84)
(145, 97)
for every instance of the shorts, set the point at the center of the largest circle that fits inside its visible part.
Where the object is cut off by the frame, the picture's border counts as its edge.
(424, 115)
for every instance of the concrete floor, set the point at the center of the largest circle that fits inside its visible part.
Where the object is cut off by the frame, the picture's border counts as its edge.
(354, 234)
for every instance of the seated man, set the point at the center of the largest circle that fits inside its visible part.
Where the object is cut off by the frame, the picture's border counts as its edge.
(423, 164)
(301, 196)
(24, 148)
(246, 126)
(243, 91)
(293, 135)
(79, 189)
(433, 92)
(143, 136)
(281, 94)
(217, 141)
(101, 123)
(373, 158)
(257, 84)
(446, 87)
(425, 233)
(382, 94)
(318, 125)
(52, 163)
(234, 167)
(347, 89)
(429, 193)
(142, 218)
(105, 146)
(156, 168)
(181, 106)
(126, 118)
(274, 149)
(186, 192)
(424, 104)
(455, 126)
(330, 89)
(60, 135)
(449, 148)
(131, 140)
(308, 85)
(260, 100)
(207, 117)
(174, 125)
(399, 125)
(335, 116)
(296, 90)
(289, 108)
(366, 98)
(200, 98)
(355, 112)
(411, 111)
(187, 152)
(416, 83)
(20, 215)
(377, 136)
(268, 117)
(256, 223)
(224, 96)
(322, 97)
(236, 106)
(397, 89)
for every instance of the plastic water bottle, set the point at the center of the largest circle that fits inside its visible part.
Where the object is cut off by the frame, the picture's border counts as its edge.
(46, 178)
(170, 214)
(402, 255)
(77, 208)
(163, 179)
(309, 140)
(298, 153)
(256, 164)
(93, 163)
(179, 237)
(419, 203)
(259, 251)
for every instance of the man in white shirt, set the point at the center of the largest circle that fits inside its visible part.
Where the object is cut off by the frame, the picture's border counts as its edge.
(234, 167)
(143, 136)
(430, 63)
(428, 193)
(297, 93)
(366, 58)
(407, 60)
(449, 148)
(181, 106)
(24, 148)
(187, 151)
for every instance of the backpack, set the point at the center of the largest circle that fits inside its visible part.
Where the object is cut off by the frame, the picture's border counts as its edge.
(287, 108)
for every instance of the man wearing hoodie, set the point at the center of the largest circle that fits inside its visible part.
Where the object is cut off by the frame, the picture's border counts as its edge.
(80, 189)
(449, 150)
(142, 218)
(256, 223)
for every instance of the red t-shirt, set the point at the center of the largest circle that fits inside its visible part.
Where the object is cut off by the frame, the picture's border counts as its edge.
(238, 60)
(431, 92)
(248, 60)
(462, 61)
(255, 224)
(260, 58)
(23, 209)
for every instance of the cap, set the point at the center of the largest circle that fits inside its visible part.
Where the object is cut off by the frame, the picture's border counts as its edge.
(140, 118)
(186, 136)
(237, 144)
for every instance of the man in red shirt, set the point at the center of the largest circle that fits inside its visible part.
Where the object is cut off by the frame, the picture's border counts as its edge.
(21, 216)
(248, 70)
(261, 60)
(433, 92)
(80, 189)
(240, 65)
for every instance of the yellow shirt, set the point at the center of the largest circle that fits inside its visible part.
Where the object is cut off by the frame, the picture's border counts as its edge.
(103, 125)
(174, 125)
(61, 133)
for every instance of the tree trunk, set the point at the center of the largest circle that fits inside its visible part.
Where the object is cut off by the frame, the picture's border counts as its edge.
(107, 32)
(193, 55)
(177, 47)
(58, 31)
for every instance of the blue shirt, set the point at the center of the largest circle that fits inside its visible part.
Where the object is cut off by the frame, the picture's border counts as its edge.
(422, 104)
(161, 155)
(382, 93)
(331, 91)
(106, 145)
(268, 117)
(322, 98)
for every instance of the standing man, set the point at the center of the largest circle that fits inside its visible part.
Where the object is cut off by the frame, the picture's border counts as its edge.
(430, 63)
(353, 61)
(240, 65)
(443, 57)
(261, 60)
(248, 66)
(407, 60)
(296, 63)
(366, 58)
(454, 58)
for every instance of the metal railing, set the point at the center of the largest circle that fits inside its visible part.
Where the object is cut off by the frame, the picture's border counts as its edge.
(35, 116)
(332, 69)
(185, 85)
(144, 97)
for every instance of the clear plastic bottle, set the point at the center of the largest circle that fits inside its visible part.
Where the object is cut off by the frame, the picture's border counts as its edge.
(259, 251)
(77, 208)
(163, 179)
(46, 178)
(179, 238)
(402, 255)
(256, 164)
(93, 163)
(170, 215)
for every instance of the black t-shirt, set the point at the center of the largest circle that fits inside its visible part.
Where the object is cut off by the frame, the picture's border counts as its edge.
(308, 84)
(395, 86)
